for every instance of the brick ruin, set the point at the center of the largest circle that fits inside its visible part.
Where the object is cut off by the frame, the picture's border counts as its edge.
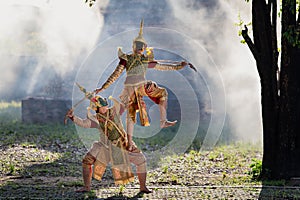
(39, 110)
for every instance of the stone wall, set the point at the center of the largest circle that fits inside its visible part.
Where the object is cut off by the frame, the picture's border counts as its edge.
(44, 110)
(47, 110)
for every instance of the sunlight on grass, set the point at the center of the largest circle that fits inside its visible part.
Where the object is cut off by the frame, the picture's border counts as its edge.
(13, 104)
(10, 112)
(27, 155)
(224, 165)
(56, 150)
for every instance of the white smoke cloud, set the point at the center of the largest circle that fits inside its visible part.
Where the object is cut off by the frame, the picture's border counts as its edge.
(58, 33)
(214, 27)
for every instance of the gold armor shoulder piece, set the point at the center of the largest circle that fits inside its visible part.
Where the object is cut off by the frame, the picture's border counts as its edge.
(121, 54)
(146, 59)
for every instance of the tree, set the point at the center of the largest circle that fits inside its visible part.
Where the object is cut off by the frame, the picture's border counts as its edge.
(280, 89)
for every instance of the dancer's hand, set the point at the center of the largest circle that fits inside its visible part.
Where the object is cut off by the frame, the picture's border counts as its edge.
(98, 90)
(70, 114)
(183, 63)
(192, 66)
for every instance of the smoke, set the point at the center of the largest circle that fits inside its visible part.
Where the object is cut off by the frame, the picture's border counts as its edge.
(202, 32)
(41, 40)
(212, 23)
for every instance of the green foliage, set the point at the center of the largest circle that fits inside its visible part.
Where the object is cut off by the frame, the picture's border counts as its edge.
(122, 189)
(12, 168)
(165, 169)
(293, 36)
(256, 168)
(241, 23)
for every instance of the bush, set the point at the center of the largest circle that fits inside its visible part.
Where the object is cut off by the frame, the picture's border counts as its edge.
(256, 168)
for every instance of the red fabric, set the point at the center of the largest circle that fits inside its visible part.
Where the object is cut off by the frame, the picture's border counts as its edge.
(154, 99)
(152, 64)
(122, 62)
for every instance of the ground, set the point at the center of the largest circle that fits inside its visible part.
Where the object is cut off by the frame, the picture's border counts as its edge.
(44, 162)
(52, 170)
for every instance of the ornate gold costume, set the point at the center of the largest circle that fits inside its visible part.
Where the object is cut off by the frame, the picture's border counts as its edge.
(111, 148)
(136, 84)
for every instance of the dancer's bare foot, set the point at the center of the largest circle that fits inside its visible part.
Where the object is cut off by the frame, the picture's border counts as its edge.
(145, 190)
(166, 123)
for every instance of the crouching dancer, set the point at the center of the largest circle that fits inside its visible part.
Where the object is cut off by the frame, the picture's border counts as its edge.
(111, 148)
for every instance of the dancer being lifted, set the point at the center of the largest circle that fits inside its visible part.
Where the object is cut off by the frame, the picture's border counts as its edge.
(136, 86)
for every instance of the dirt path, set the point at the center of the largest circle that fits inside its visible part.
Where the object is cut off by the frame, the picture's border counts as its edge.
(50, 168)
(64, 187)
(14, 187)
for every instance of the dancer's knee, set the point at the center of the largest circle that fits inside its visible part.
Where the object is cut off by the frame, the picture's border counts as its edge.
(138, 159)
(88, 160)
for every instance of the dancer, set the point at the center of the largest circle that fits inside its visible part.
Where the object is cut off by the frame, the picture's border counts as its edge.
(111, 148)
(136, 86)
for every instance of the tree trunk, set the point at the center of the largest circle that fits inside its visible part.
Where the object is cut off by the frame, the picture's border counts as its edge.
(270, 132)
(267, 68)
(280, 108)
(288, 155)
(289, 95)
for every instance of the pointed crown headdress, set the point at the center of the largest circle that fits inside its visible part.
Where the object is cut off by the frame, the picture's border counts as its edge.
(140, 37)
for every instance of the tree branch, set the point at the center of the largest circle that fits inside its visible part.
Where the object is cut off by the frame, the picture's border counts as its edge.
(250, 43)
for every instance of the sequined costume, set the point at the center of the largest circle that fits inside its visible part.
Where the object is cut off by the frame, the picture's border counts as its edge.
(136, 86)
(111, 147)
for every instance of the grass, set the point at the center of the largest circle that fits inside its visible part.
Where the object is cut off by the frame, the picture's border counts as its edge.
(6, 105)
(10, 112)
(28, 147)
(224, 165)
(47, 160)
